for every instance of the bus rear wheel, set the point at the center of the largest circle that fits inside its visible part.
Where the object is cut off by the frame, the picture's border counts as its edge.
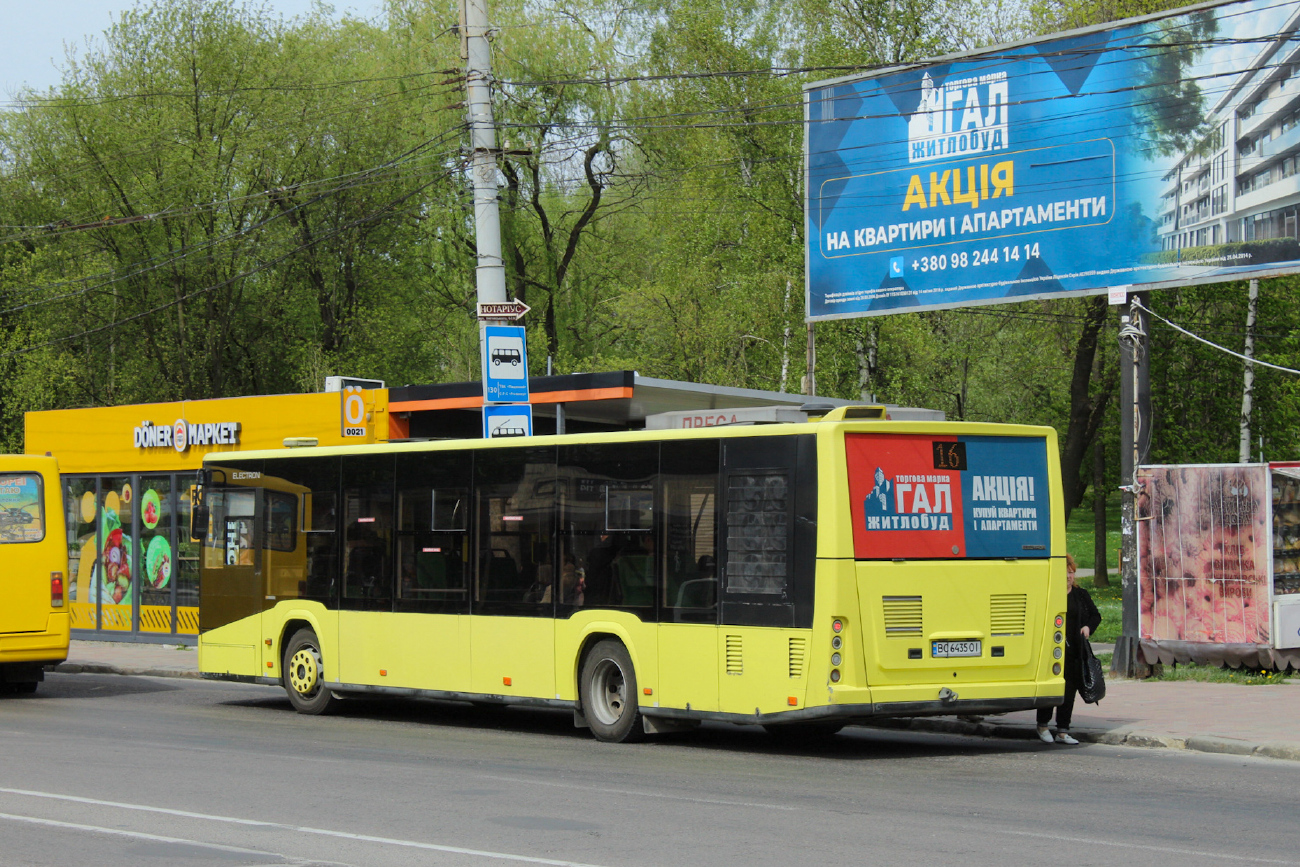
(607, 688)
(304, 674)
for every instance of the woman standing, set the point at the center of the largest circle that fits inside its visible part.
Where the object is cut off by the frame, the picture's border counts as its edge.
(1081, 619)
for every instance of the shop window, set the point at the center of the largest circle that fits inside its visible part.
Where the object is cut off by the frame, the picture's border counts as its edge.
(80, 502)
(155, 511)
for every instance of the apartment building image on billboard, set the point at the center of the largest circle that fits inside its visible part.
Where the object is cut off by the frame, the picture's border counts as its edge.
(1241, 183)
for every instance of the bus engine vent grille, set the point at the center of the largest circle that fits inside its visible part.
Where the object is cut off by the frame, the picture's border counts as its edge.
(798, 653)
(735, 658)
(1007, 614)
(902, 615)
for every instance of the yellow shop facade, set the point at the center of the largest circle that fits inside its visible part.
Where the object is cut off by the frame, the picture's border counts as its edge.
(127, 474)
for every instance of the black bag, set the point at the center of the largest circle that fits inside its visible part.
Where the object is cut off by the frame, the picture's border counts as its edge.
(1092, 684)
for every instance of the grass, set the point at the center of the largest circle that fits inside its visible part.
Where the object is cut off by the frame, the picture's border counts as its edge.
(1211, 674)
(1111, 606)
(1079, 535)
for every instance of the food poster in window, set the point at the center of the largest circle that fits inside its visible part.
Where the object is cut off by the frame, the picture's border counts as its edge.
(117, 557)
(922, 496)
(156, 521)
(83, 553)
(22, 517)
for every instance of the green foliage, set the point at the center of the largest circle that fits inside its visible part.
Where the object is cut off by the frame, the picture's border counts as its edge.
(216, 202)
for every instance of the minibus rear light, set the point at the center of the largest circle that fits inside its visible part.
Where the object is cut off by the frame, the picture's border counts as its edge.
(56, 589)
(1060, 621)
(837, 625)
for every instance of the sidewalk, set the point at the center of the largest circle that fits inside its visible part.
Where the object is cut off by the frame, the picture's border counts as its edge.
(1209, 717)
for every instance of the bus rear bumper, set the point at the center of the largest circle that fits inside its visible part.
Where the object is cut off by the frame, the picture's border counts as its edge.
(27, 649)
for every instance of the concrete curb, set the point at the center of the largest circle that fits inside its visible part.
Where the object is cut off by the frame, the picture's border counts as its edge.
(1125, 737)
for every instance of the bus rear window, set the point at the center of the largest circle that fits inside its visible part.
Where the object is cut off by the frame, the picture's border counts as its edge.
(22, 508)
(917, 496)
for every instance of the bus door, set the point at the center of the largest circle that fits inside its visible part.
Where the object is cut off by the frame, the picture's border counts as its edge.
(512, 632)
(232, 575)
(688, 628)
(769, 516)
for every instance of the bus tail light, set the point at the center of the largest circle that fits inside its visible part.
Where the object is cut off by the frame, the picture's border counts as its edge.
(837, 625)
(1060, 620)
(56, 589)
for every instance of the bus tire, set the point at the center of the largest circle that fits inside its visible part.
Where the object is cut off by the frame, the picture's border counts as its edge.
(26, 687)
(607, 687)
(303, 675)
(806, 732)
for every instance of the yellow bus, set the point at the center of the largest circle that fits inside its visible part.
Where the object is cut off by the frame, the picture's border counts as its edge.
(796, 576)
(33, 563)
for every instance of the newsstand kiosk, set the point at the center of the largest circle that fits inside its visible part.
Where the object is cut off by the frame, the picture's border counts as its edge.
(1219, 564)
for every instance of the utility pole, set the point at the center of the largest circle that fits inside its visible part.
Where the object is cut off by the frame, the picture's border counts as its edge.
(1135, 428)
(1243, 454)
(490, 272)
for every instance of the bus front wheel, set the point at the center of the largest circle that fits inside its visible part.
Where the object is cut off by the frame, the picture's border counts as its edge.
(607, 687)
(304, 674)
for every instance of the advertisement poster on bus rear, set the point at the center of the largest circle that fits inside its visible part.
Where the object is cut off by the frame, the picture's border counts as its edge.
(21, 510)
(928, 497)
(1160, 152)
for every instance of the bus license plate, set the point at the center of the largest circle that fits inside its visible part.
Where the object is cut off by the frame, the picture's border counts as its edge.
(956, 648)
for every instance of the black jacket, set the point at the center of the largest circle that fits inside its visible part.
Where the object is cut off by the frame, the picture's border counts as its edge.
(1080, 611)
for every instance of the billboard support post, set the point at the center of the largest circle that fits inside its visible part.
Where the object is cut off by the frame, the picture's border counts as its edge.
(1135, 427)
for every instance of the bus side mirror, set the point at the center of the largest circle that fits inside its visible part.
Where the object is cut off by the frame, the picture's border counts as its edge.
(199, 517)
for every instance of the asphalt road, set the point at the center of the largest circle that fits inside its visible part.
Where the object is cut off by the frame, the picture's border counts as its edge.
(111, 770)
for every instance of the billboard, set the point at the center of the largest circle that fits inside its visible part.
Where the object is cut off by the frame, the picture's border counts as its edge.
(1157, 152)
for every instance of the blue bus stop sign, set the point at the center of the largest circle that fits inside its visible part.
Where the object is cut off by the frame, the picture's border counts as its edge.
(507, 421)
(505, 365)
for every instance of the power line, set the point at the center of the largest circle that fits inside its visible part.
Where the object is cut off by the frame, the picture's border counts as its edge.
(1183, 330)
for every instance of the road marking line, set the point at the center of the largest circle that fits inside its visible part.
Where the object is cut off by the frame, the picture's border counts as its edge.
(138, 835)
(1093, 841)
(301, 829)
(636, 794)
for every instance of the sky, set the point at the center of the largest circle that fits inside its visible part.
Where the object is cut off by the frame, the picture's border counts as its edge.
(33, 33)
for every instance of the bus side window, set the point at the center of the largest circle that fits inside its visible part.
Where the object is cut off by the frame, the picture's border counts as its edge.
(690, 542)
(433, 531)
(367, 532)
(317, 480)
(514, 490)
(608, 527)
